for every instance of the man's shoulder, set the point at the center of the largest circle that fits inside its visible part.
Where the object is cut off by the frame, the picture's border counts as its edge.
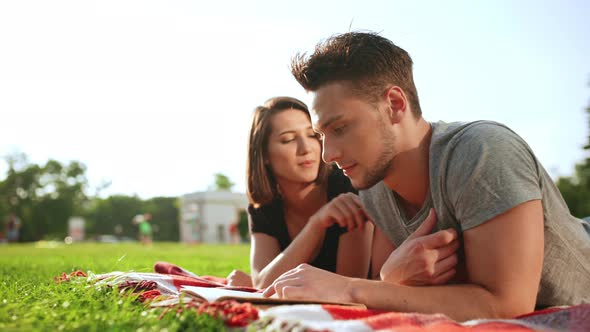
(458, 136)
(474, 129)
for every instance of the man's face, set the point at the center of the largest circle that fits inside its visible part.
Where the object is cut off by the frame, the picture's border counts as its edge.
(356, 134)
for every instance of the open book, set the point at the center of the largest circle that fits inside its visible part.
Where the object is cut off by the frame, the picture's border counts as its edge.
(212, 294)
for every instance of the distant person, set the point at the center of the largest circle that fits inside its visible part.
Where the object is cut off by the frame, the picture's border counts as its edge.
(234, 233)
(118, 231)
(145, 228)
(13, 225)
(301, 209)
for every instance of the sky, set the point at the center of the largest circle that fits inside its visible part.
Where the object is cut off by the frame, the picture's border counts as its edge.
(155, 97)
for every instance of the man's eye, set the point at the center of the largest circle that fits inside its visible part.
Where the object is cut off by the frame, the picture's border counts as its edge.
(338, 130)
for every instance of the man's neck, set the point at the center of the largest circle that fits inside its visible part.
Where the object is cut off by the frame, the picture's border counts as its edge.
(409, 174)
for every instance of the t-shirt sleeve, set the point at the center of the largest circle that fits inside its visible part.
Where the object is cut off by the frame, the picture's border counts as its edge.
(260, 220)
(490, 170)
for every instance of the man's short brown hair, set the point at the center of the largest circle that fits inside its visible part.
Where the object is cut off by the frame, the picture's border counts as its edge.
(262, 186)
(370, 62)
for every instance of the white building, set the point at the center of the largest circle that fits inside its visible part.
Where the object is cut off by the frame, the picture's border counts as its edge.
(207, 216)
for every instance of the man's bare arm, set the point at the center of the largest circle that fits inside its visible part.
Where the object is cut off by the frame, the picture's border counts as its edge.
(504, 258)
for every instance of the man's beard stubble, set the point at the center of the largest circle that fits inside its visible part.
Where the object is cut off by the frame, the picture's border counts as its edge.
(383, 164)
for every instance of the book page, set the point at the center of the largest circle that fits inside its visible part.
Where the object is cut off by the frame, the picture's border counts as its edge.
(212, 294)
(218, 294)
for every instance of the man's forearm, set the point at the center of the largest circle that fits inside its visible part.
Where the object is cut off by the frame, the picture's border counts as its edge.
(460, 302)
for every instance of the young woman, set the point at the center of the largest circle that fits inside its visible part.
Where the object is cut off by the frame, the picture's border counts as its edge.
(301, 210)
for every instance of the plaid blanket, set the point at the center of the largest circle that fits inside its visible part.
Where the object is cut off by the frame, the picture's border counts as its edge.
(339, 318)
(162, 289)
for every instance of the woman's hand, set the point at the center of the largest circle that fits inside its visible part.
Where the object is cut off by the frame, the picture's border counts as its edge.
(423, 258)
(345, 210)
(239, 278)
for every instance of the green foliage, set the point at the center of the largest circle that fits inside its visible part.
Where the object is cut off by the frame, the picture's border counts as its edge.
(222, 182)
(105, 214)
(165, 217)
(45, 197)
(32, 301)
(243, 225)
(576, 189)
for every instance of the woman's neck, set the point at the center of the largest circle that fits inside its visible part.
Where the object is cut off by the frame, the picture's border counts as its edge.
(303, 199)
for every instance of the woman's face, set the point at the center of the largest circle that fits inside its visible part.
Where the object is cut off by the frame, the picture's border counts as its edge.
(294, 151)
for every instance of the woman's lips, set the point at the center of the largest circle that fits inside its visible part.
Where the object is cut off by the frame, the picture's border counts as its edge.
(307, 163)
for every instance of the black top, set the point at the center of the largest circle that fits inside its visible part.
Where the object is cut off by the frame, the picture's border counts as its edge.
(270, 219)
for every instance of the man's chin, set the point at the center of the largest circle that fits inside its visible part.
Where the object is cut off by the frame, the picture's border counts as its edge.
(358, 184)
(362, 184)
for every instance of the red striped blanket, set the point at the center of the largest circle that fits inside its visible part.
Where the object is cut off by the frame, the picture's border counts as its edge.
(163, 288)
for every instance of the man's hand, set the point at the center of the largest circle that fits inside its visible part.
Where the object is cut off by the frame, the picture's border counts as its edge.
(239, 278)
(308, 282)
(423, 258)
(345, 210)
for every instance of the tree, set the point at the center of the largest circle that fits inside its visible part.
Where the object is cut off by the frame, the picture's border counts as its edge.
(243, 225)
(576, 189)
(117, 211)
(164, 211)
(43, 197)
(222, 182)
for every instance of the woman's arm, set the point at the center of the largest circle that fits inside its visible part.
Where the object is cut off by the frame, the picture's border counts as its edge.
(354, 252)
(382, 247)
(267, 262)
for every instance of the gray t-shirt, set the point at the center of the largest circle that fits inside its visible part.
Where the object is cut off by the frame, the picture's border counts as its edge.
(478, 171)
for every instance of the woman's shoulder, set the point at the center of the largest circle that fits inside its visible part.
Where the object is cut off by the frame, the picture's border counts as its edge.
(265, 219)
(266, 211)
(339, 183)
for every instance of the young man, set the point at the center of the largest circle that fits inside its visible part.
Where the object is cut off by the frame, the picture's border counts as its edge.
(521, 247)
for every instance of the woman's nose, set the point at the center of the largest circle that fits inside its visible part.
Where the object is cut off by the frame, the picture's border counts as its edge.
(304, 146)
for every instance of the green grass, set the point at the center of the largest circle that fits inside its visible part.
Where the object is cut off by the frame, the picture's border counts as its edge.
(31, 300)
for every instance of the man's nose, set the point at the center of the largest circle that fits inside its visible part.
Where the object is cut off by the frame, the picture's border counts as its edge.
(330, 152)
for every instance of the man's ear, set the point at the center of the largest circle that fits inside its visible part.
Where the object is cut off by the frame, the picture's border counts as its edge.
(397, 104)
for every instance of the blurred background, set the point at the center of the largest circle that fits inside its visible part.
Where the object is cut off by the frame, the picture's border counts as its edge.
(110, 110)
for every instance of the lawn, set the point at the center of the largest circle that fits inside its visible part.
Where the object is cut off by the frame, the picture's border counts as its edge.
(31, 300)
